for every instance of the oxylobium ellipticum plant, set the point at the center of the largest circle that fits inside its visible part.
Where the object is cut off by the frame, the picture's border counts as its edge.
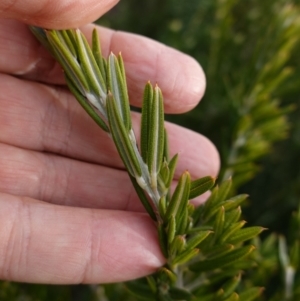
(206, 247)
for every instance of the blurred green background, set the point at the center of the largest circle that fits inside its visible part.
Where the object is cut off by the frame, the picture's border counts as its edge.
(249, 51)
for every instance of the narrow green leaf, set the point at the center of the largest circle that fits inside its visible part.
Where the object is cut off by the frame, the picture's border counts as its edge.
(143, 198)
(233, 297)
(196, 239)
(211, 202)
(182, 221)
(145, 120)
(216, 199)
(96, 48)
(122, 67)
(162, 207)
(68, 40)
(172, 167)
(89, 66)
(73, 70)
(163, 239)
(164, 173)
(72, 39)
(219, 223)
(156, 136)
(166, 153)
(121, 138)
(233, 215)
(210, 214)
(152, 284)
(222, 261)
(269, 243)
(251, 294)
(185, 256)
(179, 294)
(200, 186)
(117, 86)
(234, 202)
(242, 265)
(171, 229)
(183, 205)
(67, 61)
(177, 245)
(161, 187)
(232, 229)
(214, 281)
(123, 75)
(217, 251)
(230, 285)
(201, 228)
(224, 190)
(86, 105)
(191, 209)
(198, 215)
(245, 234)
(180, 195)
(139, 290)
(166, 275)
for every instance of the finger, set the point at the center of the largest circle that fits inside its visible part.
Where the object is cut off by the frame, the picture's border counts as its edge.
(56, 14)
(64, 181)
(52, 244)
(179, 76)
(52, 121)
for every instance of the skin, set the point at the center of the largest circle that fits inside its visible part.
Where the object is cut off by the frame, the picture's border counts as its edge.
(67, 209)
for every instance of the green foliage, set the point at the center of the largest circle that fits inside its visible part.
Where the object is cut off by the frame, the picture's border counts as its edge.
(249, 52)
(188, 245)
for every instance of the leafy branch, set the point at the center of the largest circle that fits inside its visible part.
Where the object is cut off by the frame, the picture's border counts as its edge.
(205, 246)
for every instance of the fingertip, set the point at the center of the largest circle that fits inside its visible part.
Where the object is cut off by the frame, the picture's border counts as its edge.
(93, 246)
(197, 154)
(133, 247)
(197, 84)
(215, 160)
(189, 86)
(179, 76)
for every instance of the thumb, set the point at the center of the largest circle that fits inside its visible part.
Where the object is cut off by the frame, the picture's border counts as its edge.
(56, 14)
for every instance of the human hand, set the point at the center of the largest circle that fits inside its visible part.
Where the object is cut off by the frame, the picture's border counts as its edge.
(68, 211)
